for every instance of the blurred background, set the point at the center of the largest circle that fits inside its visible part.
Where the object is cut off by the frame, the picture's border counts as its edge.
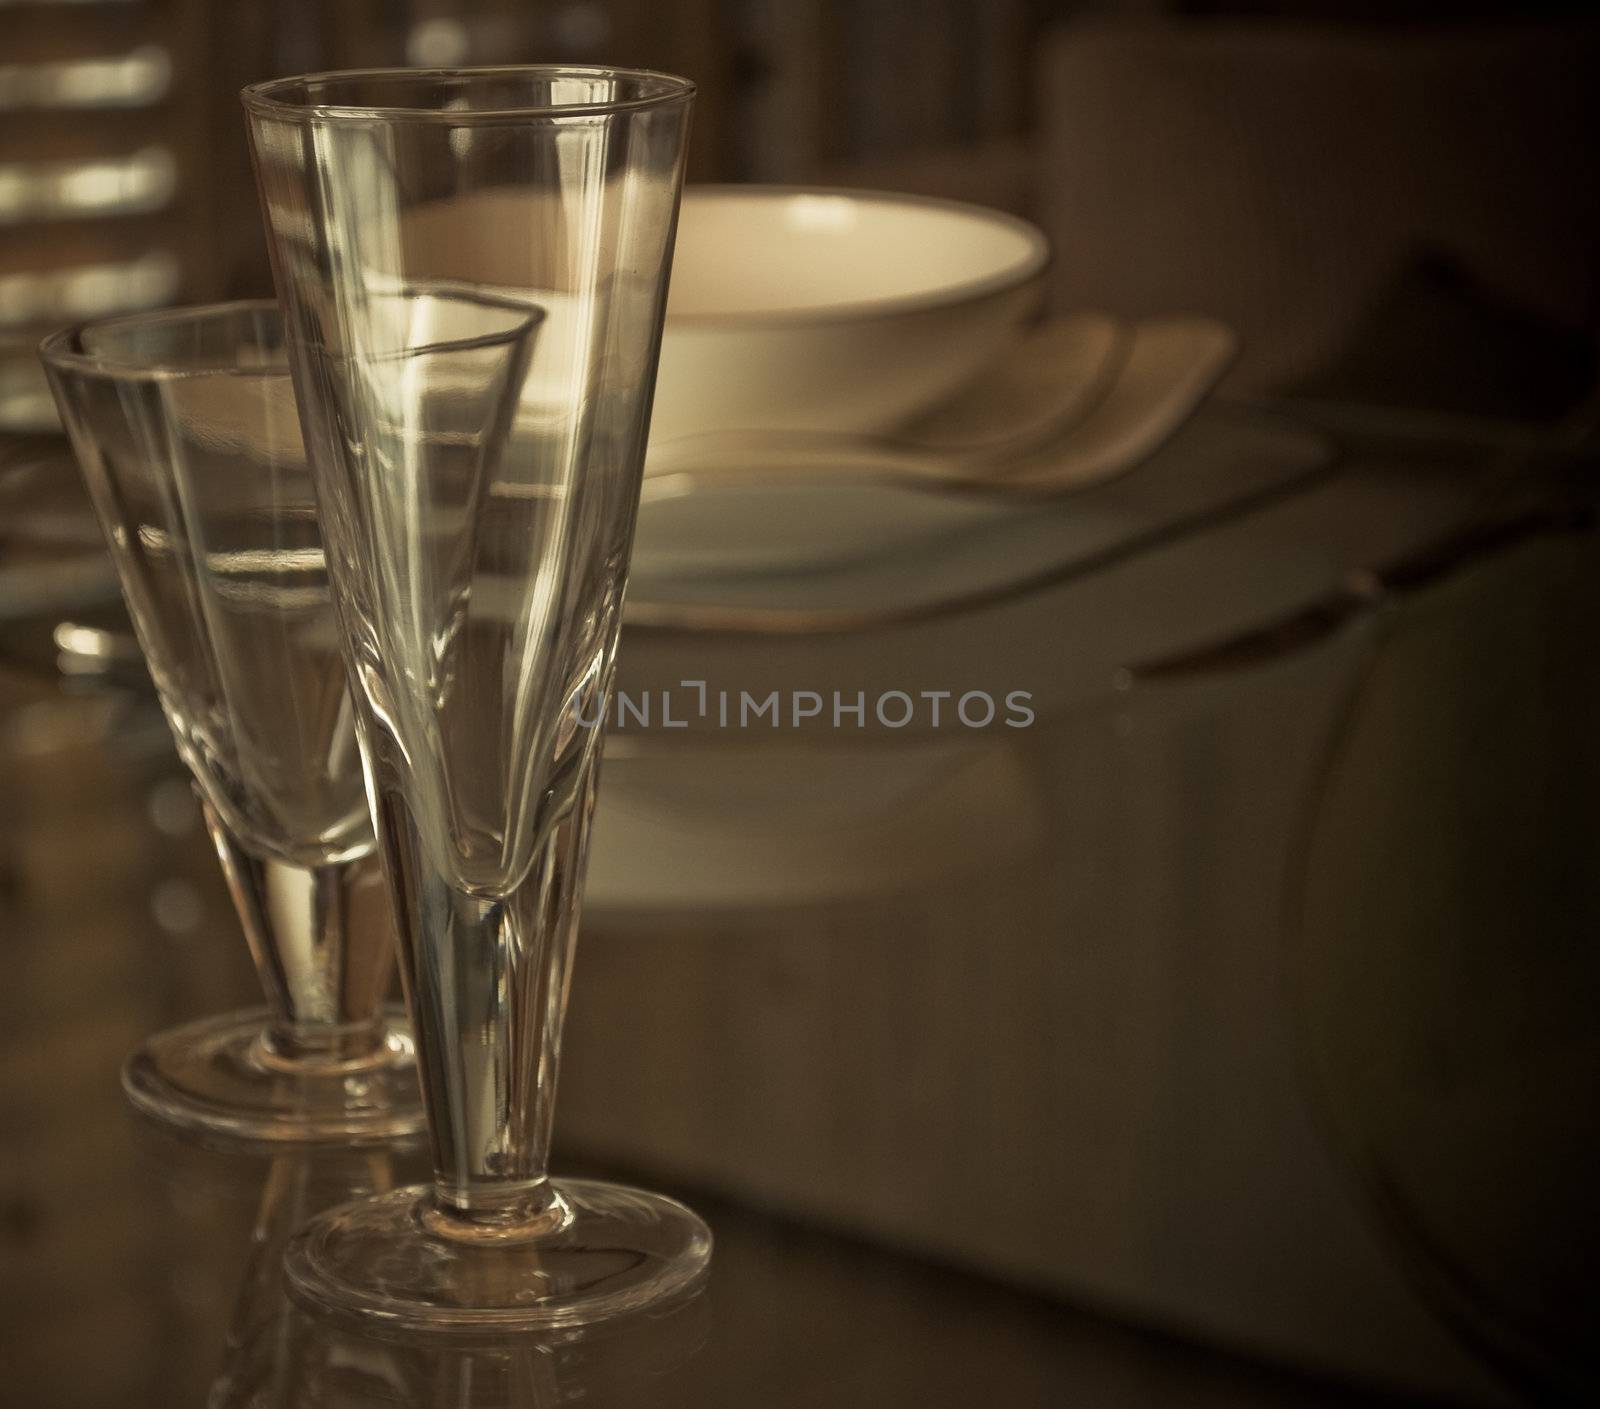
(1247, 997)
(1294, 164)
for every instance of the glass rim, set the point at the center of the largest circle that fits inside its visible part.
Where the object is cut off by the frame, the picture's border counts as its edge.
(62, 348)
(265, 99)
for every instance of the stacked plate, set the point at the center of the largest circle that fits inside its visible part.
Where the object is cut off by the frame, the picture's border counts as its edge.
(851, 378)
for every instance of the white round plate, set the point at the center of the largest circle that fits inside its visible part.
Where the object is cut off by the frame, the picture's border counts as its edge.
(787, 556)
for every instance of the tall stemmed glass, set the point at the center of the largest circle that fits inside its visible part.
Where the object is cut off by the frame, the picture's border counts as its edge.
(479, 529)
(185, 428)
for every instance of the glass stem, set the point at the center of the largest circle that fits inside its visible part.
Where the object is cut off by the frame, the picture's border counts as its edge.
(487, 978)
(320, 939)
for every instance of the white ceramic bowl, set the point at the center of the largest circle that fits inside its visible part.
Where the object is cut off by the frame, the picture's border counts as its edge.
(823, 310)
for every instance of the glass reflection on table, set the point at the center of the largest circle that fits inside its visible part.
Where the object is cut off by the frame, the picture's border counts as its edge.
(276, 1355)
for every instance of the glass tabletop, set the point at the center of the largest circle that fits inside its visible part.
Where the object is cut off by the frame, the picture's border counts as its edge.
(151, 1276)
(140, 1269)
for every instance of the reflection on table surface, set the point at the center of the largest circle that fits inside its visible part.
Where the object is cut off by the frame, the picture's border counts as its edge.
(140, 1270)
(164, 1288)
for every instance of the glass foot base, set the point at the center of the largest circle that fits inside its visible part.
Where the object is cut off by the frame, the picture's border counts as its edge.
(605, 1251)
(216, 1077)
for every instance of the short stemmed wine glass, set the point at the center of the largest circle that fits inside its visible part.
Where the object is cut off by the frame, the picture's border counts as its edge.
(479, 522)
(185, 428)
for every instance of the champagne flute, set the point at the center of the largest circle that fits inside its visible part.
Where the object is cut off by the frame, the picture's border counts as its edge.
(185, 426)
(479, 521)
